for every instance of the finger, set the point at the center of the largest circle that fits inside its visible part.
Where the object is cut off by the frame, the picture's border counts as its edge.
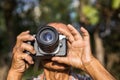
(25, 32)
(85, 33)
(69, 44)
(27, 58)
(74, 32)
(62, 28)
(25, 37)
(28, 47)
(27, 66)
(67, 34)
(63, 60)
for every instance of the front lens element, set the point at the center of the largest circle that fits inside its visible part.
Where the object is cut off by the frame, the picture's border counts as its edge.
(47, 37)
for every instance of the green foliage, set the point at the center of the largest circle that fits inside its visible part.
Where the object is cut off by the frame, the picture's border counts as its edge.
(115, 4)
(55, 10)
(91, 13)
(31, 73)
(3, 38)
(2, 23)
(58, 11)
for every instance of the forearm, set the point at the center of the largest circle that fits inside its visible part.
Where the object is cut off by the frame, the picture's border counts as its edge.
(13, 75)
(97, 71)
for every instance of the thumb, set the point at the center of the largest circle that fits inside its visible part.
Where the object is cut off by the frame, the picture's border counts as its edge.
(63, 60)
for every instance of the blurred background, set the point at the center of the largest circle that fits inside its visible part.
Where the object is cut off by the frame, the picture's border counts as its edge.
(100, 17)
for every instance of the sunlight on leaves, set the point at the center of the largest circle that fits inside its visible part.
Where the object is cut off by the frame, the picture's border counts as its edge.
(91, 14)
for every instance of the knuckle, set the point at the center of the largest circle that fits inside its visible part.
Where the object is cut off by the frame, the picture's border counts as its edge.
(28, 36)
(30, 58)
(31, 48)
(26, 55)
(18, 37)
(16, 56)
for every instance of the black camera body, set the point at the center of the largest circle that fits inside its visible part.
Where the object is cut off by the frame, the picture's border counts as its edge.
(49, 42)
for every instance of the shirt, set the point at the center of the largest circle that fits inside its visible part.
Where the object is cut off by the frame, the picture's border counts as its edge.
(72, 76)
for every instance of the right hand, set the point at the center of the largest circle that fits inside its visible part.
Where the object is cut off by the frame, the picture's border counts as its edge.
(20, 60)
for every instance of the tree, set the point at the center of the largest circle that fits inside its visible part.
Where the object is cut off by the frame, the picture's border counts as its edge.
(100, 17)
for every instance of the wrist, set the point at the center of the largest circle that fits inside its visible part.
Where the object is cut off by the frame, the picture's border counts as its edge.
(97, 71)
(89, 64)
(14, 75)
(91, 61)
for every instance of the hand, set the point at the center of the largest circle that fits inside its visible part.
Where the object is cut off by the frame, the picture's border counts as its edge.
(79, 52)
(21, 60)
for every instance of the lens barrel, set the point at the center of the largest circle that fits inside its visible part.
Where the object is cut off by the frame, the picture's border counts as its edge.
(47, 39)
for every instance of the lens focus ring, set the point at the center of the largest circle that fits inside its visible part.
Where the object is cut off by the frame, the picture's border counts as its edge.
(48, 39)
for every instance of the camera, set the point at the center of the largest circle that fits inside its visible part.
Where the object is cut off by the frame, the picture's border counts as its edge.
(49, 42)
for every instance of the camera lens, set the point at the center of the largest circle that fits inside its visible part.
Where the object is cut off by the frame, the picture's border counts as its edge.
(48, 39)
(47, 36)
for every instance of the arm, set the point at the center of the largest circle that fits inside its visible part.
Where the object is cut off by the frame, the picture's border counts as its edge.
(20, 60)
(13, 75)
(97, 71)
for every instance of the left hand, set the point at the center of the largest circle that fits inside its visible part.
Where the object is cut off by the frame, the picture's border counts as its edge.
(79, 52)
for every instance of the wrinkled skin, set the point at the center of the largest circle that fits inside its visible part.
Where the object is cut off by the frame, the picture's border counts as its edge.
(57, 68)
(78, 53)
(20, 60)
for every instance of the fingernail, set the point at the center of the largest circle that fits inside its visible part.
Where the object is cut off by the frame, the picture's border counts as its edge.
(53, 59)
(27, 31)
(32, 37)
(32, 62)
(34, 52)
(68, 25)
(81, 28)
